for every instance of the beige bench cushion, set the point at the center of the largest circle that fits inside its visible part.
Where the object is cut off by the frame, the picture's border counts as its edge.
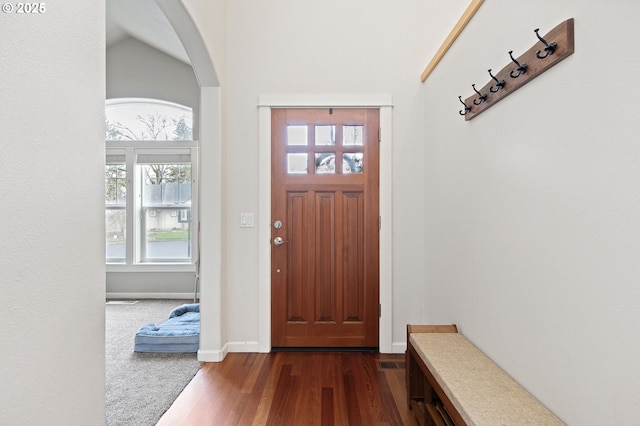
(482, 393)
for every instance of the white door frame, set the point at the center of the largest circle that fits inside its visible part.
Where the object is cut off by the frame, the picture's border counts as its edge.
(380, 101)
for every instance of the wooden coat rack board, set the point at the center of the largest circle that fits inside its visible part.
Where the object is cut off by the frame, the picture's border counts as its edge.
(551, 48)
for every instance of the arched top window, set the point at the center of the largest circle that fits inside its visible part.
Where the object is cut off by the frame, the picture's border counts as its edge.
(151, 179)
(139, 119)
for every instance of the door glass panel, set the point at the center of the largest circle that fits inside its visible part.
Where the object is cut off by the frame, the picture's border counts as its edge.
(296, 163)
(326, 163)
(352, 135)
(296, 135)
(326, 135)
(353, 162)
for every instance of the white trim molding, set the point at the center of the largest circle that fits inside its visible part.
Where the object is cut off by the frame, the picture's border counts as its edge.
(212, 355)
(399, 347)
(384, 103)
(324, 101)
(145, 295)
(243, 347)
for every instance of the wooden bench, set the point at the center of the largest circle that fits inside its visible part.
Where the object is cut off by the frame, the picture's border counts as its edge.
(451, 382)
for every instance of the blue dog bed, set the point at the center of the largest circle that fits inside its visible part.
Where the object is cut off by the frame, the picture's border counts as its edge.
(179, 333)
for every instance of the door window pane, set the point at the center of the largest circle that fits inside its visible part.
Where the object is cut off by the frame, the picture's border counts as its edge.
(326, 135)
(297, 163)
(352, 135)
(297, 135)
(326, 163)
(353, 162)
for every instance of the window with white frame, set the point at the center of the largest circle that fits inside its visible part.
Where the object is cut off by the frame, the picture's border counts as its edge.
(150, 183)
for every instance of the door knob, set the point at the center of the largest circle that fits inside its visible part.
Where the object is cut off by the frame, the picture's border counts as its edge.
(279, 241)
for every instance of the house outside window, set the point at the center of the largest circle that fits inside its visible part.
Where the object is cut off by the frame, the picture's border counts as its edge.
(150, 183)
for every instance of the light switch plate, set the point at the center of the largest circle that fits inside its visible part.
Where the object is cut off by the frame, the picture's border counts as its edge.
(246, 220)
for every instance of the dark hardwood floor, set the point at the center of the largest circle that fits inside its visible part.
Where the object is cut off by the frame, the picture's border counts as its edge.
(295, 388)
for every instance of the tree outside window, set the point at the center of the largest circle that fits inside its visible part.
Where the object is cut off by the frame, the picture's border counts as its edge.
(165, 174)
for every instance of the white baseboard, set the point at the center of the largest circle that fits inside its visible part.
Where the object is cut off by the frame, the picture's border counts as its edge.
(150, 296)
(254, 347)
(243, 346)
(399, 347)
(212, 356)
(232, 347)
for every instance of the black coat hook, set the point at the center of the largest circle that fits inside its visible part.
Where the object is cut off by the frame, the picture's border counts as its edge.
(499, 84)
(548, 48)
(481, 97)
(466, 107)
(522, 69)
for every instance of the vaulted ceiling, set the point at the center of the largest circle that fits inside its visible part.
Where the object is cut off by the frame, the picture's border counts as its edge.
(144, 21)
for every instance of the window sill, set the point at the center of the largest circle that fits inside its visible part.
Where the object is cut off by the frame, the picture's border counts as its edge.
(152, 267)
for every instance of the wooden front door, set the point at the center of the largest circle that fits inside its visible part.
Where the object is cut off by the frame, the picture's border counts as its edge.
(325, 228)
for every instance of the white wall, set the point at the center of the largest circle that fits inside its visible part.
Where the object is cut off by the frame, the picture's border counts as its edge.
(135, 69)
(320, 47)
(167, 284)
(203, 30)
(531, 208)
(52, 251)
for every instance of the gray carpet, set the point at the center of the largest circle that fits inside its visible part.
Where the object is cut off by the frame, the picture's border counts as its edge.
(140, 387)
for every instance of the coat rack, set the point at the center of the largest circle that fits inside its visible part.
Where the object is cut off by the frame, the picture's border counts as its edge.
(550, 49)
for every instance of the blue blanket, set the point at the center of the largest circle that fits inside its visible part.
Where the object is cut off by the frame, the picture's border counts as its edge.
(179, 333)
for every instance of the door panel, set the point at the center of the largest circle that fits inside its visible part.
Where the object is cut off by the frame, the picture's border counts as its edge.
(353, 256)
(297, 296)
(325, 282)
(325, 277)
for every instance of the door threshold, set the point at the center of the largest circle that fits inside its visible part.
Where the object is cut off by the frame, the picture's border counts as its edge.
(323, 349)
